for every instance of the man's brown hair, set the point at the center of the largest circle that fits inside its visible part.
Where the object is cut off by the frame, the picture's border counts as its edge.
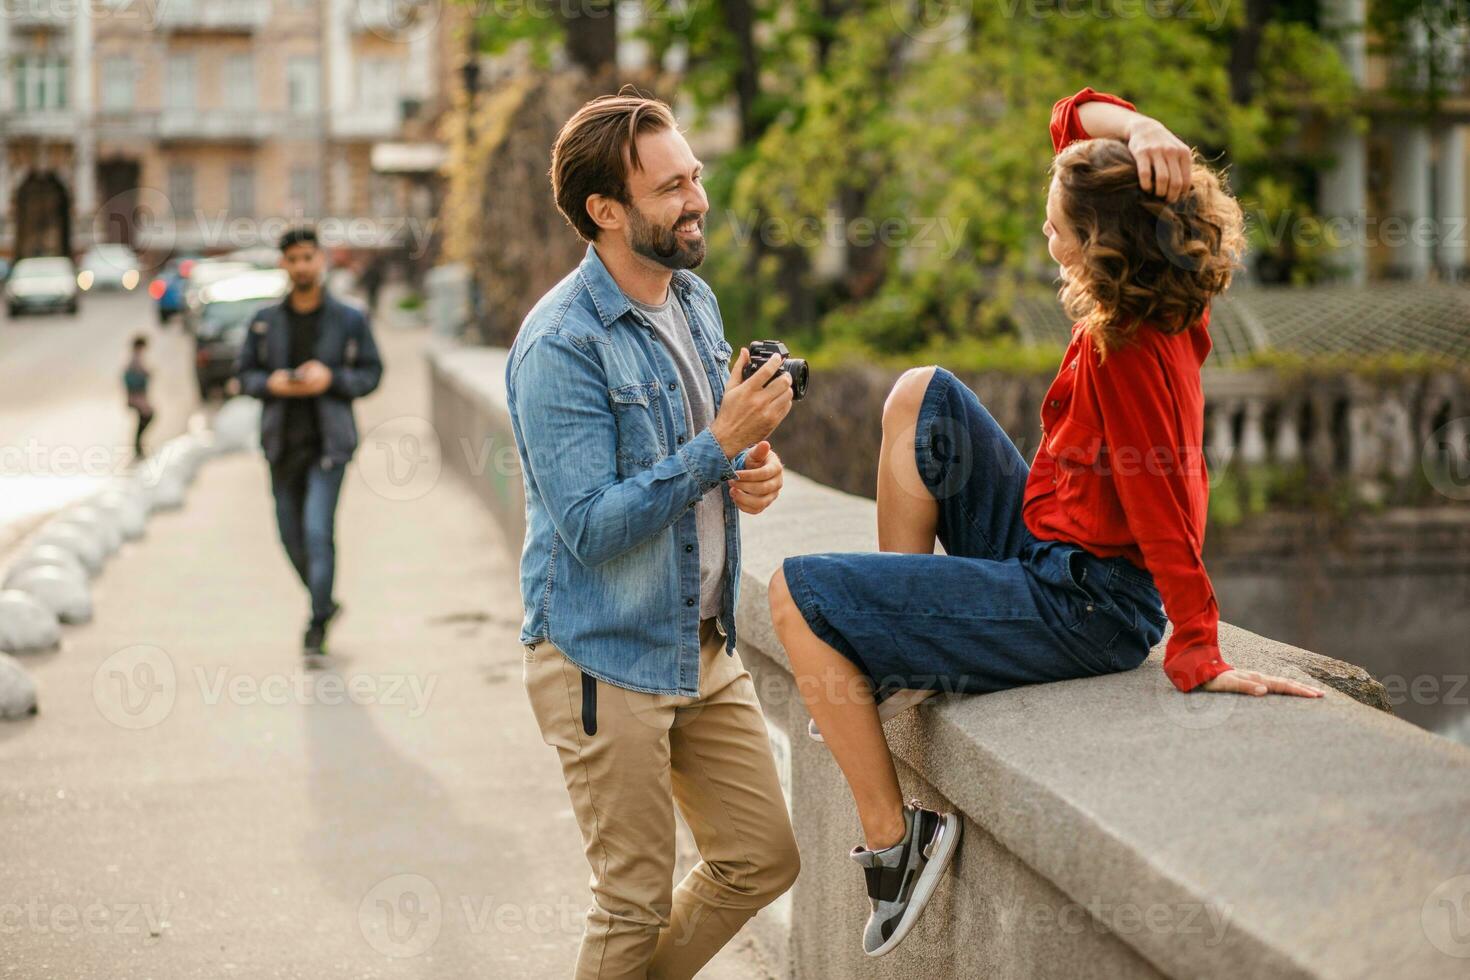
(594, 149)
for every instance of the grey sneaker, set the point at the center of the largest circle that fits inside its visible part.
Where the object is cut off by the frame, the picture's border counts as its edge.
(896, 702)
(902, 877)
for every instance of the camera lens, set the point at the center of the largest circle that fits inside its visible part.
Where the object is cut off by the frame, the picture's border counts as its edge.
(796, 367)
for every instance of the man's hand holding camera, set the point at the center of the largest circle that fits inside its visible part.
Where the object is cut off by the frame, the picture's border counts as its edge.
(751, 410)
(307, 381)
(753, 407)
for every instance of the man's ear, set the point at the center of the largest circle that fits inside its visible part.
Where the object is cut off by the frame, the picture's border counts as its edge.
(605, 212)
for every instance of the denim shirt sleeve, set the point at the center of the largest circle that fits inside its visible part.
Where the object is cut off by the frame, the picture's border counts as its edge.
(569, 437)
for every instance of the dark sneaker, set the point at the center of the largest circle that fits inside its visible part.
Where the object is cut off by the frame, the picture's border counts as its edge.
(901, 878)
(315, 642)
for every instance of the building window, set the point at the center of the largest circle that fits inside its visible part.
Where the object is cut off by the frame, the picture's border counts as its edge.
(182, 81)
(303, 85)
(239, 82)
(40, 81)
(378, 85)
(242, 190)
(306, 191)
(119, 82)
(181, 190)
(383, 190)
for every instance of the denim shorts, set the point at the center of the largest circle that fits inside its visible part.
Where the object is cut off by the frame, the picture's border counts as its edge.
(1002, 608)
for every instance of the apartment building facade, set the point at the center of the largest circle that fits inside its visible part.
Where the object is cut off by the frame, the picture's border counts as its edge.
(205, 125)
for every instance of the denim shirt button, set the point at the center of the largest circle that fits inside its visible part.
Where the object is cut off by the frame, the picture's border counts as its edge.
(688, 548)
(688, 602)
(681, 440)
(673, 386)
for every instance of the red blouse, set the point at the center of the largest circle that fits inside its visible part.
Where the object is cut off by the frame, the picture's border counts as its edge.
(1121, 469)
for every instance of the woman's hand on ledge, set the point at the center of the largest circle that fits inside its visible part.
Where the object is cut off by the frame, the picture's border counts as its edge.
(1250, 682)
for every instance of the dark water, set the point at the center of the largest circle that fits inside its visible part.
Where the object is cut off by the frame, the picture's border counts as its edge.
(1410, 629)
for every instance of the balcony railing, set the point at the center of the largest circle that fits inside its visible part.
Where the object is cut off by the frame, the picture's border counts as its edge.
(390, 18)
(50, 123)
(49, 15)
(371, 122)
(216, 124)
(214, 16)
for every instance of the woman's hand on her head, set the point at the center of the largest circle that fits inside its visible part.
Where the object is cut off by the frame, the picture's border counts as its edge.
(1250, 682)
(1164, 160)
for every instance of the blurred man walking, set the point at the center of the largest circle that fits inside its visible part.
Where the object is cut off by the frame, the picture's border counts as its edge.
(307, 358)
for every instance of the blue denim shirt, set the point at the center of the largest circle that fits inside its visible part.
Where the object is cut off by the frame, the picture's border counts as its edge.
(610, 568)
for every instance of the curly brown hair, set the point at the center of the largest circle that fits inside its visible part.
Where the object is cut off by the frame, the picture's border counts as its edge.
(1143, 259)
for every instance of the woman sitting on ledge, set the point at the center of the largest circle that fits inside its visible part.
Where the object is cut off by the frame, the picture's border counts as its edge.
(1054, 571)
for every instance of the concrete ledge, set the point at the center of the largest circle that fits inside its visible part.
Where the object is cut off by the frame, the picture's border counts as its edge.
(1114, 827)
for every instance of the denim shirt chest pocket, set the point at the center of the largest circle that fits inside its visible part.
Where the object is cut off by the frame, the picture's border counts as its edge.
(640, 433)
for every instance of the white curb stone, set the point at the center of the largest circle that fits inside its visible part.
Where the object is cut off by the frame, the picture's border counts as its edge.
(65, 594)
(77, 540)
(17, 690)
(26, 624)
(44, 555)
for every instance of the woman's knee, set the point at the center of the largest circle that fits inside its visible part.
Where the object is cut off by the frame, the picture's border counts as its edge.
(778, 595)
(902, 405)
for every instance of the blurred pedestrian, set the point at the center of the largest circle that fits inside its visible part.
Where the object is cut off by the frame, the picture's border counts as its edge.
(306, 358)
(371, 281)
(135, 382)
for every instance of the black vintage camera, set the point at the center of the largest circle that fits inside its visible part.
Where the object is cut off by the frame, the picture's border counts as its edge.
(761, 351)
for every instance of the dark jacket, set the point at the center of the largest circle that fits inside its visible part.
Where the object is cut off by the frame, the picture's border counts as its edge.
(344, 344)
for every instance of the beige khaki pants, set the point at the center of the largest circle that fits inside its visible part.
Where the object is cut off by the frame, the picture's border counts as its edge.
(646, 753)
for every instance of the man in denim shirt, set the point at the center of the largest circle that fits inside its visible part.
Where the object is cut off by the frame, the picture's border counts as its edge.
(638, 453)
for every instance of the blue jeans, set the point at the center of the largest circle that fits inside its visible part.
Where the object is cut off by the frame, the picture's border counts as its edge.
(1002, 608)
(306, 490)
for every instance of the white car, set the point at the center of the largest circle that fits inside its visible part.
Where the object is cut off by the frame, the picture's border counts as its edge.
(109, 266)
(203, 274)
(47, 283)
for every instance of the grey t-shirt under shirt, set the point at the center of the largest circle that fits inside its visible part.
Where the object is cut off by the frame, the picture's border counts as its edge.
(699, 409)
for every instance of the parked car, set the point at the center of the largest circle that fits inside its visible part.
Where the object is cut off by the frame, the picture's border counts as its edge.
(167, 288)
(226, 309)
(260, 256)
(203, 274)
(45, 283)
(109, 266)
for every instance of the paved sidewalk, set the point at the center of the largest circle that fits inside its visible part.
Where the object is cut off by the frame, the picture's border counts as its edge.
(191, 803)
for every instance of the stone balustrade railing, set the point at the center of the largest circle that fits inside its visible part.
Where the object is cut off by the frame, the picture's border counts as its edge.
(1344, 424)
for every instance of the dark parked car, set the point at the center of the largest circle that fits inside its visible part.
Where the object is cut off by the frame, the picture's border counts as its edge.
(225, 310)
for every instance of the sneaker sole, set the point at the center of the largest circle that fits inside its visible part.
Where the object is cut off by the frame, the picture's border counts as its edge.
(949, 838)
(890, 707)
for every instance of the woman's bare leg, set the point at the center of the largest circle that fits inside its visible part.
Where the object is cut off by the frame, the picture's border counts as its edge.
(840, 699)
(837, 693)
(908, 514)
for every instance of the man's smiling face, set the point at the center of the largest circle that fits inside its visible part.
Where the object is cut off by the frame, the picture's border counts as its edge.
(667, 203)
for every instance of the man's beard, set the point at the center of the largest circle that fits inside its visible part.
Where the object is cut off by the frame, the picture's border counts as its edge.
(661, 244)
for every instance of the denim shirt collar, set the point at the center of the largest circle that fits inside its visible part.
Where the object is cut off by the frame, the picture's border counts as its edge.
(607, 296)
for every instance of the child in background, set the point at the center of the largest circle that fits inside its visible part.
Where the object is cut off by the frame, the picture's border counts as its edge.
(135, 381)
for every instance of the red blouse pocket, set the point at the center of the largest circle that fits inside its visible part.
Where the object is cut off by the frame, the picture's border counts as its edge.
(1081, 488)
